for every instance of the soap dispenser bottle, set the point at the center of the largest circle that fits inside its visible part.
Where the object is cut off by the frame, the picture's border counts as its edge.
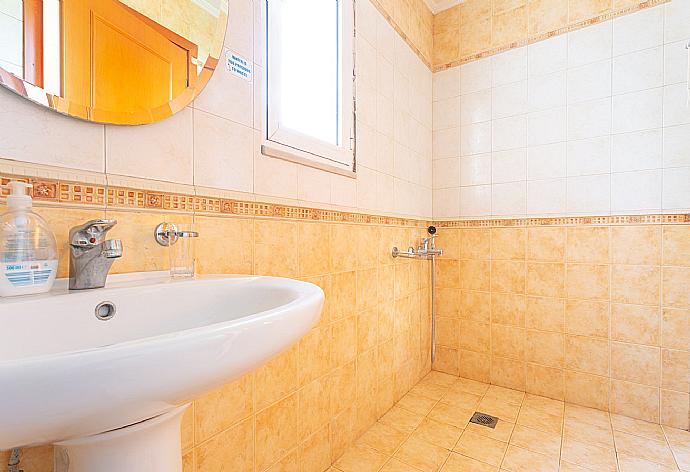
(28, 251)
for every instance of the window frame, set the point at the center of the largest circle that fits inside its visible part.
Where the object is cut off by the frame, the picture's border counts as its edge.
(289, 144)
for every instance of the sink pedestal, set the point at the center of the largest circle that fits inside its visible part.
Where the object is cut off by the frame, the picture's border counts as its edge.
(150, 446)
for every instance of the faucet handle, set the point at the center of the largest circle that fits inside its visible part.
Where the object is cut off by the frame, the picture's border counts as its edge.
(90, 233)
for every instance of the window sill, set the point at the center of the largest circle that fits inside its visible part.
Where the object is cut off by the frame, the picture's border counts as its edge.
(279, 151)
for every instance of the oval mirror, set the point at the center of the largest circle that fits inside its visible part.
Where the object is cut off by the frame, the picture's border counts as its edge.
(110, 61)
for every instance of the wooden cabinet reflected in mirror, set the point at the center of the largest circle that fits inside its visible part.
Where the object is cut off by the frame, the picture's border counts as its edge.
(111, 61)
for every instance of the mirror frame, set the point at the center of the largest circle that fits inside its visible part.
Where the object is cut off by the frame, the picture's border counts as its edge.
(63, 106)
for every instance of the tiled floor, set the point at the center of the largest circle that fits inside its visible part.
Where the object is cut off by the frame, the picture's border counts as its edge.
(429, 430)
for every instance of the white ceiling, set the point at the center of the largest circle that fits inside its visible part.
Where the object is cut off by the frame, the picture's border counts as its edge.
(439, 5)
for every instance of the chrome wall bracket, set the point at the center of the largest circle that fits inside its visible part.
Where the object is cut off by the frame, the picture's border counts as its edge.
(167, 234)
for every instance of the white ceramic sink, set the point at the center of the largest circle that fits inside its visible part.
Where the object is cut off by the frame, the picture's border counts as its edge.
(66, 375)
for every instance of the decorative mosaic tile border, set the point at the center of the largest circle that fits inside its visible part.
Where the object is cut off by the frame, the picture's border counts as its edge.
(51, 192)
(648, 219)
(58, 192)
(544, 36)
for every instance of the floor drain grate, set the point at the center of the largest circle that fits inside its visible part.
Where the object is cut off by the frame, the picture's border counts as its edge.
(484, 420)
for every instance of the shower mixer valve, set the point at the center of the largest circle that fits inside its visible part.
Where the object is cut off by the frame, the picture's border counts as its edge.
(426, 250)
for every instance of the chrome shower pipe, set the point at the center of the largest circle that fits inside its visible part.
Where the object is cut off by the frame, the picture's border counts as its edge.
(426, 251)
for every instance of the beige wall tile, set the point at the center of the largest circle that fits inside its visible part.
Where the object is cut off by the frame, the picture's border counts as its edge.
(583, 9)
(187, 429)
(502, 6)
(475, 306)
(449, 18)
(588, 244)
(314, 245)
(508, 309)
(675, 370)
(547, 15)
(508, 341)
(590, 355)
(277, 431)
(544, 348)
(474, 337)
(508, 276)
(546, 279)
(635, 363)
(546, 244)
(624, 3)
(545, 314)
(675, 329)
(188, 462)
(475, 243)
(221, 408)
(314, 354)
(344, 294)
(343, 383)
(289, 463)
(640, 245)
(476, 35)
(278, 378)
(546, 381)
(220, 255)
(448, 302)
(635, 324)
(636, 401)
(341, 431)
(341, 255)
(343, 341)
(447, 273)
(677, 245)
(635, 284)
(674, 409)
(474, 9)
(508, 373)
(510, 26)
(475, 275)
(587, 318)
(446, 46)
(475, 366)
(366, 286)
(675, 281)
(587, 281)
(447, 330)
(447, 360)
(449, 240)
(587, 390)
(215, 456)
(367, 327)
(508, 243)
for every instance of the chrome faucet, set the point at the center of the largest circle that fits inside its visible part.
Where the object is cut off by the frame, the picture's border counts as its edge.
(91, 256)
(428, 246)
